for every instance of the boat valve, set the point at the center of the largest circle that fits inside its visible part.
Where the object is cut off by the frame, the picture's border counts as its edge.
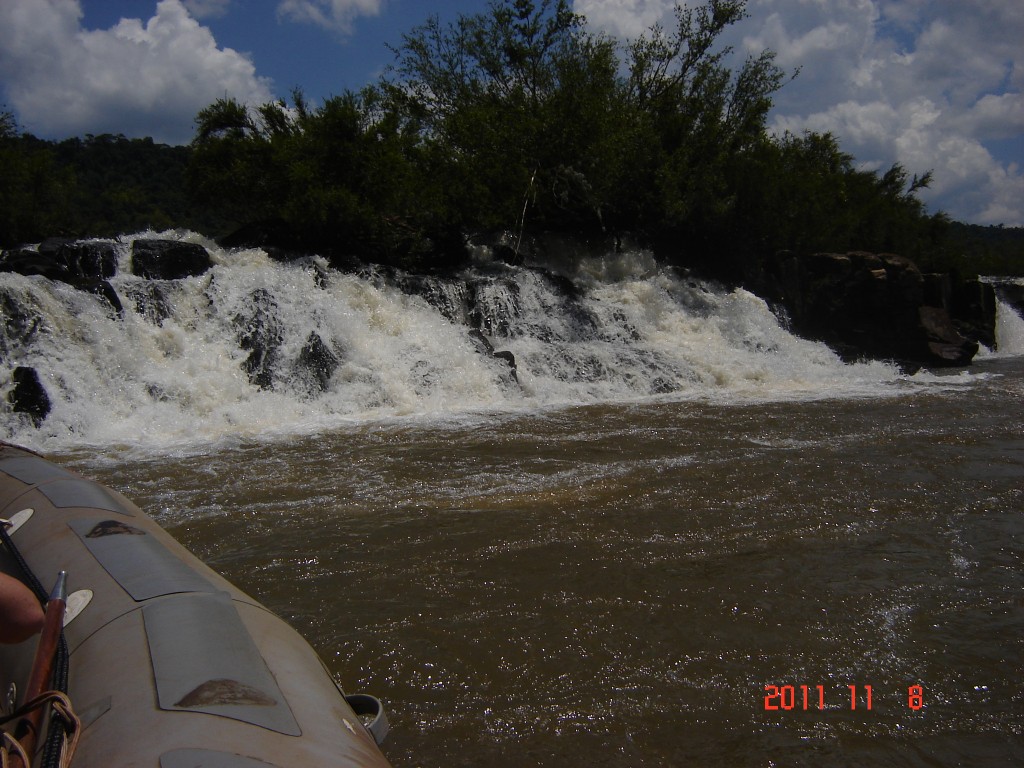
(369, 707)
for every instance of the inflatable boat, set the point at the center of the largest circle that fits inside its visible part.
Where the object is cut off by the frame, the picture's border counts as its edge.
(168, 665)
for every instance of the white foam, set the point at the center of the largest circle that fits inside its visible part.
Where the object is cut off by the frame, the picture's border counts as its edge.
(1009, 331)
(633, 332)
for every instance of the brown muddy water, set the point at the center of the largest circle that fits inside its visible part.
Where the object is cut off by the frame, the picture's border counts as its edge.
(674, 583)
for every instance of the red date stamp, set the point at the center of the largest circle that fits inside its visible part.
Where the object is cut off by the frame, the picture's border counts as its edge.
(808, 697)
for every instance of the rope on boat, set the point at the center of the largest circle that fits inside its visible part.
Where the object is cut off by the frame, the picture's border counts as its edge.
(56, 735)
(63, 712)
(8, 746)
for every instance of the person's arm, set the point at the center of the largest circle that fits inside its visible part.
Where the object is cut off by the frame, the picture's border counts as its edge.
(21, 615)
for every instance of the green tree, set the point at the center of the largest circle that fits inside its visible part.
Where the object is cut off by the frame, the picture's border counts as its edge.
(483, 94)
(33, 191)
(804, 194)
(701, 117)
(520, 117)
(344, 177)
(229, 164)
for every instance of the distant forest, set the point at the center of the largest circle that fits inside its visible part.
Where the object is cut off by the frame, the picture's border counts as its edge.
(517, 120)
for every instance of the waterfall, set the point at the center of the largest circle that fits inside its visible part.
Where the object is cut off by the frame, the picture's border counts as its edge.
(1009, 329)
(256, 348)
(1009, 335)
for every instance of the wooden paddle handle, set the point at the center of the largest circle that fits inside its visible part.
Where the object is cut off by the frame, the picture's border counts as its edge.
(27, 730)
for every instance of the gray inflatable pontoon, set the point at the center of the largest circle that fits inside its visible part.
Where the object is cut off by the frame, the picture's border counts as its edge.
(170, 665)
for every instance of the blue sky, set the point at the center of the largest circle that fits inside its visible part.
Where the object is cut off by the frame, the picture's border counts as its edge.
(933, 84)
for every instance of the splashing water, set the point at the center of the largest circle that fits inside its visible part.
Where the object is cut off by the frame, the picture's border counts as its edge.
(259, 348)
(1009, 331)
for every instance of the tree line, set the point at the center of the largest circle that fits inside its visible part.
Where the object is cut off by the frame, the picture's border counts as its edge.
(517, 120)
(96, 186)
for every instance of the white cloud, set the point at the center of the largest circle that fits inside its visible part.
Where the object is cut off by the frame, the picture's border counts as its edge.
(336, 15)
(626, 19)
(927, 83)
(994, 117)
(135, 78)
(923, 84)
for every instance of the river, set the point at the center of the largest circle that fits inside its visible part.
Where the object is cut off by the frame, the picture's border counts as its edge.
(786, 561)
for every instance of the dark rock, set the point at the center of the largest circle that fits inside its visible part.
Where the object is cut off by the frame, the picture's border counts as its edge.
(944, 341)
(104, 290)
(1011, 293)
(972, 305)
(448, 296)
(484, 347)
(29, 395)
(152, 300)
(169, 259)
(82, 265)
(20, 323)
(509, 358)
(938, 289)
(27, 262)
(560, 283)
(483, 344)
(260, 333)
(316, 363)
(89, 260)
(868, 305)
(51, 246)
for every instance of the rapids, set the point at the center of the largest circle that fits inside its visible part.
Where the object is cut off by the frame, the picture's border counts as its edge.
(256, 348)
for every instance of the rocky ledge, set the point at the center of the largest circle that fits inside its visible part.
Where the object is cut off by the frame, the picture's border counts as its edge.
(881, 306)
(864, 305)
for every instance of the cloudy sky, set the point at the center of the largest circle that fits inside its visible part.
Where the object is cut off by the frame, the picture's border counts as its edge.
(933, 84)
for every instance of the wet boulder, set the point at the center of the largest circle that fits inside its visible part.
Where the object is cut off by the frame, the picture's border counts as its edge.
(29, 395)
(449, 296)
(65, 260)
(316, 364)
(88, 261)
(28, 262)
(484, 347)
(510, 360)
(870, 305)
(82, 265)
(972, 307)
(20, 323)
(944, 340)
(152, 300)
(105, 291)
(260, 332)
(169, 259)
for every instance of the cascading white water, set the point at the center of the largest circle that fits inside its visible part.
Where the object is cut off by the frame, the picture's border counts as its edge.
(1009, 331)
(255, 347)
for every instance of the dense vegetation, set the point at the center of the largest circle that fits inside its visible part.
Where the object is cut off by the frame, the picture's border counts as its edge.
(518, 120)
(97, 186)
